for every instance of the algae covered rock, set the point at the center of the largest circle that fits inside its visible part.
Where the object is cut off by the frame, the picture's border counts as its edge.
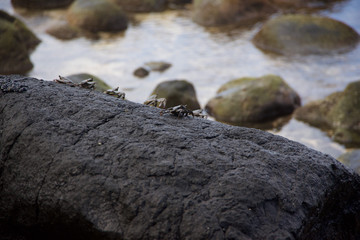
(141, 5)
(220, 12)
(338, 114)
(177, 92)
(351, 159)
(41, 4)
(100, 85)
(16, 43)
(304, 34)
(253, 100)
(96, 16)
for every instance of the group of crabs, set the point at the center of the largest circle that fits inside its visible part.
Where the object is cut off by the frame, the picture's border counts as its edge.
(178, 111)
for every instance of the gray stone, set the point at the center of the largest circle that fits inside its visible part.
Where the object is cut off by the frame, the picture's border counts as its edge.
(78, 164)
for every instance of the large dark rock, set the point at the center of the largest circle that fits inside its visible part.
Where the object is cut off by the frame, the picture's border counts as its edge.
(78, 164)
(41, 4)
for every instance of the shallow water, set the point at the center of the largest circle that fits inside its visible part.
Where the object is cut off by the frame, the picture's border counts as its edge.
(206, 57)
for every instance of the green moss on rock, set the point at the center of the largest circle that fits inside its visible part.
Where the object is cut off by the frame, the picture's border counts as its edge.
(16, 43)
(304, 34)
(177, 92)
(253, 100)
(338, 114)
(96, 16)
(141, 5)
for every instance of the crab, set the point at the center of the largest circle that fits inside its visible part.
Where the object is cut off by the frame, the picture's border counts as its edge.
(178, 111)
(87, 83)
(200, 113)
(116, 93)
(155, 102)
(65, 80)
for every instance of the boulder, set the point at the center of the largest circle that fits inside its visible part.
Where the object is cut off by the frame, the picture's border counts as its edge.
(100, 85)
(63, 32)
(253, 100)
(177, 92)
(305, 34)
(351, 159)
(97, 16)
(141, 5)
(221, 12)
(78, 164)
(141, 72)
(41, 4)
(16, 44)
(338, 114)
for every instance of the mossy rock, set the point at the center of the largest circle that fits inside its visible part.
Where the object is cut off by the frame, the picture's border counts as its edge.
(338, 114)
(253, 100)
(100, 85)
(351, 159)
(305, 34)
(97, 16)
(40, 4)
(222, 12)
(141, 5)
(177, 92)
(16, 43)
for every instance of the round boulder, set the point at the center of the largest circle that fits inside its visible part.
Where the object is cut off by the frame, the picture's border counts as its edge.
(16, 43)
(220, 12)
(338, 114)
(96, 16)
(177, 92)
(253, 100)
(41, 4)
(305, 34)
(100, 85)
(351, 159)
(141, 5)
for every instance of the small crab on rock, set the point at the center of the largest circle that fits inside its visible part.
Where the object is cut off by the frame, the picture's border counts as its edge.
(155, 102)
(116, 93)
(178, 111)
(200, 113)
(87, 83)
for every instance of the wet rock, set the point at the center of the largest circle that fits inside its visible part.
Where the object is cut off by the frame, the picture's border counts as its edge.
(64, 32)
(351, 159)
(141, 72)
(40, 4)
(78, 164)
(158, 66)
(338, 114)
(16, 44)
(305, 34)
(221, 12)
(100, 85)
(253, 100)
(177, 92)
(141, 5)
(96, 16)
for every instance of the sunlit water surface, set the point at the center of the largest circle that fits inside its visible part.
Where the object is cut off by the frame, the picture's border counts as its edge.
(205, 57)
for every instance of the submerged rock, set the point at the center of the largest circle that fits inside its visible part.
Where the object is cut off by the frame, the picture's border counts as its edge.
(63, 32)
(158, 66)
(351, 159)
(220, 12)
(177, 92)
(338, 114)
(96, 16)
(78, 164)
(41, 4)
(141, 72)
(141, 5)
(253, 100)
(16, 44)
(304, 34)
(100, 85)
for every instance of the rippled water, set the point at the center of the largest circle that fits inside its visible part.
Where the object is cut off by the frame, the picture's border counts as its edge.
(206, 57)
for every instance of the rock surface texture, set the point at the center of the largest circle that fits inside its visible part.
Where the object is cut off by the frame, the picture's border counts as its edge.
(79, 164)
